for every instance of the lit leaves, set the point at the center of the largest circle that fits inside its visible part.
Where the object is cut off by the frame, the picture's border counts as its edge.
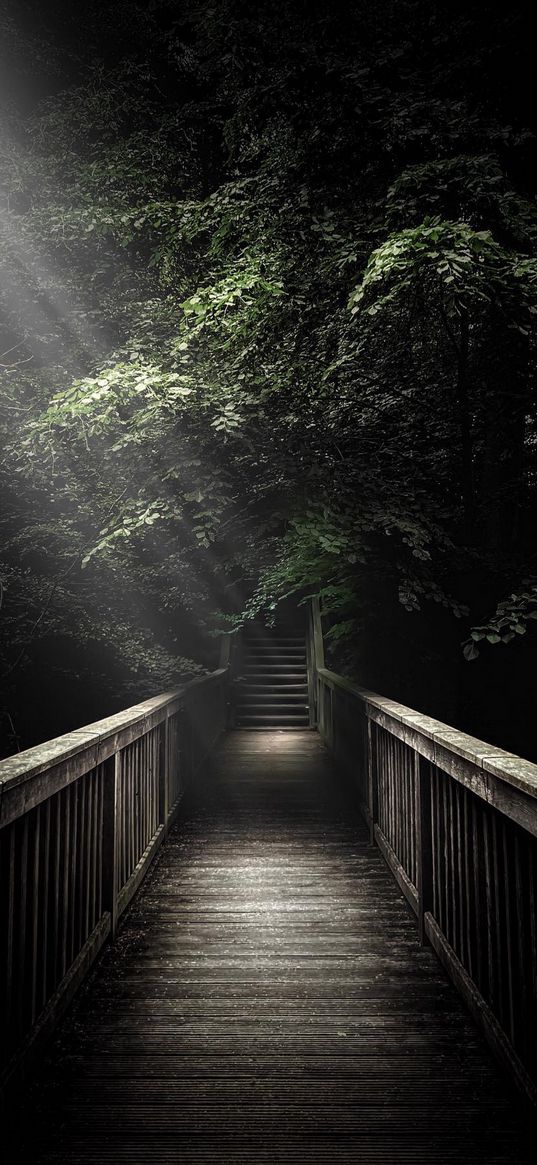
(510, 619)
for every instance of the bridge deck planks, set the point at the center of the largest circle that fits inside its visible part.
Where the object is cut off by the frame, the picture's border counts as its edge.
(267, 1001)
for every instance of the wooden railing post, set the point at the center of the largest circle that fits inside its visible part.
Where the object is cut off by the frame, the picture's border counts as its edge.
(111, 840)
(317, 656)
(423, 843)
(225, 662)
(164, 772)
(372, 782)
(312, 673)
(225, 650)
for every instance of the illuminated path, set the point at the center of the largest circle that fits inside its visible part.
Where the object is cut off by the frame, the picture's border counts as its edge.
(267, 1000)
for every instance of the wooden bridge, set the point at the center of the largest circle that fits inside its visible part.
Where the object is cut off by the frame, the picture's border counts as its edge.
(333, 959)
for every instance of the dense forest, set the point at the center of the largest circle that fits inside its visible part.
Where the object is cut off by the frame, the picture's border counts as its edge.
(268, 306)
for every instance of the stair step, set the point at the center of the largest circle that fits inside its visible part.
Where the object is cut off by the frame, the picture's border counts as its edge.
(275, 649)
(273, 642)
(272, 721)
(271, 656)
(274, 661)
(273, 669)
(276, 698)
(297, 689)
(270, 649)
(248, 705)
(273, 727)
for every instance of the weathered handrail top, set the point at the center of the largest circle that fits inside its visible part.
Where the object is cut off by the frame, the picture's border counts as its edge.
(86, 747)
(439, 739)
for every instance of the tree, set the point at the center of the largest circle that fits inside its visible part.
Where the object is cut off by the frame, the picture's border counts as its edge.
(273, 312)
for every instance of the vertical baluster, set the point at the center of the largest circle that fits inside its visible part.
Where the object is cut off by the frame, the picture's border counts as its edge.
(444, 825)
(412, 823)
(130, 794)
(437, 874)
(523, 1003)
(490, 903)
(10, 842)
(22, 924)
(433, 780)
(112, 829)
(460, 884)
(134, 787)
(55, 878)
(159, 790)
(169, 761)
(45, 884)
(497, 927)
(532, 949)
(413, 762)
(452, 872)
(89, 856)
(81, 870)
(424, 842)
(153, 800)
(143, 782)
(470, 906)
(372, 778)
(135, 802)
(136, 814)
(99, 835)
(35, 970)
(386, 742)
(386, 785)
(128, 810)
(396, 814)
(125, 833)
(381, 797)
(146, 789)
(508, 946)
(478, 865)
(409, 815)
(151, 792)
(73, 791)
(122, 821)
(401, 801)
(152, 785)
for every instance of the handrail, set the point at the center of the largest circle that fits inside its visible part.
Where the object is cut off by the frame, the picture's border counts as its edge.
(456, 820)
(81, 819)
(436, 741)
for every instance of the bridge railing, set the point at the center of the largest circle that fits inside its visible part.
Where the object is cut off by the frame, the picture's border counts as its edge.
(456, 821)
(81, 818)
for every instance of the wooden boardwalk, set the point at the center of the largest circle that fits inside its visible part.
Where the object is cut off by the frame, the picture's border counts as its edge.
(267, 1001)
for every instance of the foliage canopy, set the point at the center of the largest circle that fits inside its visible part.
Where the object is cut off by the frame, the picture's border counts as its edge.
(269, 316)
